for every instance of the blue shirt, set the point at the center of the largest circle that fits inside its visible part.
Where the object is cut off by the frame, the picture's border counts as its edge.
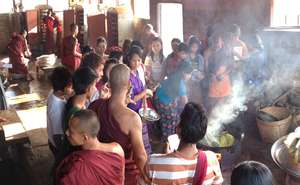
(164, 98)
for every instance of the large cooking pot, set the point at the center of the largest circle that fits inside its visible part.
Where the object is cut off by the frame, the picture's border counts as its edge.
(231, 154)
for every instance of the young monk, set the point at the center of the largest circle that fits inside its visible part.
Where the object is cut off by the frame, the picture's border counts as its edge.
(17, 51)
(122, 125)
(49, 22)
(59, 32)
(71, 54)
(96, 162)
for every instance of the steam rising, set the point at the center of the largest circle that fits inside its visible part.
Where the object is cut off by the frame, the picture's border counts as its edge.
(226, 112)
(278, 73)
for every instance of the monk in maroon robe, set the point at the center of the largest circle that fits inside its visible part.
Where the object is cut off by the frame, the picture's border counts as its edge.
(59, 29)
(122, 125)
(71, 54)
(97, 163)
(17, 50)
(49, 22)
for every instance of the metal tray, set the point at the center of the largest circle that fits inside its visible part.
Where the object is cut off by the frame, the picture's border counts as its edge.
(280, 156)
(149, 114)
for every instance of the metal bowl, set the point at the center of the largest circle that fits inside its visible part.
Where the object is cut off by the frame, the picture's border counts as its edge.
(280, 156)
(149, 114)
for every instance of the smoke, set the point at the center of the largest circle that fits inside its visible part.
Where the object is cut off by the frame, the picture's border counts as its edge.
(272, 79)
(226, 112)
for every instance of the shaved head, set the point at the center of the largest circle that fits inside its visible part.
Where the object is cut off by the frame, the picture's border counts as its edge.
(119, 78)
(86, 121)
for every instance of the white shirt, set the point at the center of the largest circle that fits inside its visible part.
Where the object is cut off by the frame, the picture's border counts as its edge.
(55, 113)
(141, 73)
(94, 97)
(156, 67)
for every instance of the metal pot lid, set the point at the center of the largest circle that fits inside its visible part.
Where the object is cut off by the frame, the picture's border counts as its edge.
(280, 157)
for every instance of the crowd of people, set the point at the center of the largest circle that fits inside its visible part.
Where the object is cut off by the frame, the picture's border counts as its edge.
(95, 132)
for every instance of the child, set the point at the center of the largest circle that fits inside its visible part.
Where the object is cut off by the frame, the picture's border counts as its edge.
(103, 86)
(84, 80)
(96, 63)
(61, 80)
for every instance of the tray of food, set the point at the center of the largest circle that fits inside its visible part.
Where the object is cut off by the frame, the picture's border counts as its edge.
(285, 157)
(149, 114)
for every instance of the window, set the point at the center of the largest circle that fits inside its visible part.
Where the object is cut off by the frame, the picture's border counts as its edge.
(170, 23)
(285, 13)
(142, 9)
(6, 7)
(58, 5)
(76, 2)
(29, 4)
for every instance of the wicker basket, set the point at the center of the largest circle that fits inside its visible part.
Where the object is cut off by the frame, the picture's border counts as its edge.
(271, 131)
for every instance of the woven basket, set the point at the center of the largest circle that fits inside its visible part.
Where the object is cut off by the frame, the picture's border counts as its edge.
(271, 131)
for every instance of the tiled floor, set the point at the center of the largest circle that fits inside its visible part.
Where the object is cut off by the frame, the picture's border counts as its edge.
(38, 159)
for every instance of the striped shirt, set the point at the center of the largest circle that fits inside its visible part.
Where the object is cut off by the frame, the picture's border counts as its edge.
(174, 169)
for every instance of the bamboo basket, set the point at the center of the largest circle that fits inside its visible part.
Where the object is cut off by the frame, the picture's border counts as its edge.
(271, 131)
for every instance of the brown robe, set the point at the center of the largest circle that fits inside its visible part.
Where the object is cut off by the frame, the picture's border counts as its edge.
(88, 167)
(111, 132)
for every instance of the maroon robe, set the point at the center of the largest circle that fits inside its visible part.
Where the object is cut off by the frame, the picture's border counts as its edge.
(87, 167)
(58, 25)
(16, 48)
(111, 132)
(49, 43)
(71, 61)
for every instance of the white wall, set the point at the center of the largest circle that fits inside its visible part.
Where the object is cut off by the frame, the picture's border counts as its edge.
(6, 6)
(57, 5)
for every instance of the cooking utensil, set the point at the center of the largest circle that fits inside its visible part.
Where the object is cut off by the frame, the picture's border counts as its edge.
(280, 155)
(149, 114)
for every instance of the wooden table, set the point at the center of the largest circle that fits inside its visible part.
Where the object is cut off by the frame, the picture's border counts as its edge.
(13, 129)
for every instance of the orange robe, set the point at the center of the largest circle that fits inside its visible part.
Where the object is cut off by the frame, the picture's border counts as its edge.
(58, 35)
(16, 48)
(111, 132)
(50, 43)
(69, 59)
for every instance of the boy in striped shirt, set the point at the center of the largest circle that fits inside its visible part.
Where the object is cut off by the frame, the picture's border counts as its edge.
(179, 167)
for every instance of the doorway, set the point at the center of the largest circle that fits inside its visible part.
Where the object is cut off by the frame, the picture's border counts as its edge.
(170, 23)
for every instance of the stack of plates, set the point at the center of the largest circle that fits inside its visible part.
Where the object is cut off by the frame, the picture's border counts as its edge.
(46, 60)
